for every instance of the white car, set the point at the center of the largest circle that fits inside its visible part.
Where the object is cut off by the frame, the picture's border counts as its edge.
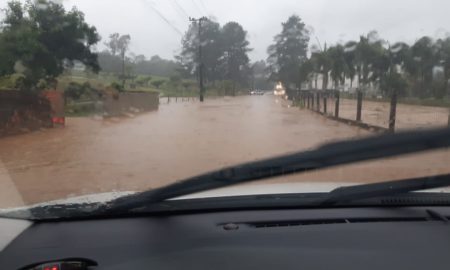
(257, 92)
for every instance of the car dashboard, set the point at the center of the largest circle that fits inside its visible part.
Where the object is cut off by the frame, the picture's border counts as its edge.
(333, 238)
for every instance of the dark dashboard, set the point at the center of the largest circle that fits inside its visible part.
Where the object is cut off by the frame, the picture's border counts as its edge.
(339, 238)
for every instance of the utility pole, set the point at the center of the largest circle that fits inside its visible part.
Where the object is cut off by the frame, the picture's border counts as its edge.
(200, 60)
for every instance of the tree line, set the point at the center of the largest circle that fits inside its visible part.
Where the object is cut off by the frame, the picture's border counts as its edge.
(40, 40)
(137, 64)
(421, 69)
(224, 56)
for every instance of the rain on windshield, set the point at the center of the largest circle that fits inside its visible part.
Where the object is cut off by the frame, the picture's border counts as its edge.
(118, 96)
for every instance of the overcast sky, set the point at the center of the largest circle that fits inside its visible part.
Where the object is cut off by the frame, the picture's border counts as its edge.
(332, 20)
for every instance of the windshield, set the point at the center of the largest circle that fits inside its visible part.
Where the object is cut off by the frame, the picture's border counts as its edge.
(103, 99)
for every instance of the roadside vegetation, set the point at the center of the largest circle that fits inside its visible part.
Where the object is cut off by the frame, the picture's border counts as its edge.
(71, 64)
(418, 73)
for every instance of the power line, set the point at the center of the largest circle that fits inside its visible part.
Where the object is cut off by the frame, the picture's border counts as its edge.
(180, 14)
(151, 4)
(181, 8)
(197, 7)
(200, 60)
(203, 5)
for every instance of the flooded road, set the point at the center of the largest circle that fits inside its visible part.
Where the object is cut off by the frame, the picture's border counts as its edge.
(407, 117)
(177, 141)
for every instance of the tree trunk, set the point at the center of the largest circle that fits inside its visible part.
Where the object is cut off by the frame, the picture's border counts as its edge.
(325, 80)
(123, 70)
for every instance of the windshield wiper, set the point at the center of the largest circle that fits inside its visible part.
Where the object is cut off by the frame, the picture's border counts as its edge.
(329, 155)
(354, 193)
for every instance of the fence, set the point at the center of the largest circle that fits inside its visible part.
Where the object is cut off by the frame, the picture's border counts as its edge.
(176, 99)
(371, 113)
(113, 105)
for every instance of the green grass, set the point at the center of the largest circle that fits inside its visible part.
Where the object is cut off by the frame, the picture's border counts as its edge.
(103, 80)
(80, 109)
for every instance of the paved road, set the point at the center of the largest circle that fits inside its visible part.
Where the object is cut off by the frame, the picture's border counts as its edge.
(179, 140)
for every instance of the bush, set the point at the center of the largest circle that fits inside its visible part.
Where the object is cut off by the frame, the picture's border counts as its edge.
(117, 86)
(439, 89)
(75, 90)
(158, 83)
(143, 81)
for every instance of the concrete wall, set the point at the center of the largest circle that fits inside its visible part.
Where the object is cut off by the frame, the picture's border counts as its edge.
(130, 102)
(21, 112)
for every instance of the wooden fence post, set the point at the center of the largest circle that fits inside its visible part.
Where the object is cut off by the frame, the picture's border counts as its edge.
(312, 101)
(325, 104)
(168, 98)
(359, 105)
(393, 112)
(309, 100)
(448, 117)
(318, 101)
(336, 105)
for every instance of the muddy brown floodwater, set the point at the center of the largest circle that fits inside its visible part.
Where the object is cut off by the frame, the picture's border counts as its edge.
(407, 117)
(180, 140)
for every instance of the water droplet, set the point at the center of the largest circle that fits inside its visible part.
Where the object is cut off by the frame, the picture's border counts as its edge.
(19, 67)
(41, 6)
(230, 226)
(350, 48)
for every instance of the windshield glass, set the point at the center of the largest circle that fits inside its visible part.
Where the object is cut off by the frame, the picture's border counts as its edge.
(102, 99)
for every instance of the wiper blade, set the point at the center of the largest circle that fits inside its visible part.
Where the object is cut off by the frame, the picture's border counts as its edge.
(354, 193)
(328, 155)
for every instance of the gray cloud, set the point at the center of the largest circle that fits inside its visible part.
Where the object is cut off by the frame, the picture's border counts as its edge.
(154, 24)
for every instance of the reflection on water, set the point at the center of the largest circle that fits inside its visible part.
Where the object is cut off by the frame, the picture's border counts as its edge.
(179, 140)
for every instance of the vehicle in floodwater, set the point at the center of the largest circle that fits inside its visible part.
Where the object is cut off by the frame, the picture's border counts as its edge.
(279, 90)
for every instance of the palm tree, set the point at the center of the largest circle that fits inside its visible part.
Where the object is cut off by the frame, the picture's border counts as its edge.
(338, 64)
(443, 57)
(423, 54)
(323, 65)
(350, 61)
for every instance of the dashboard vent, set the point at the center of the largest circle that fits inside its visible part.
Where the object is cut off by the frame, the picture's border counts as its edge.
(271, 224)
(415, 201)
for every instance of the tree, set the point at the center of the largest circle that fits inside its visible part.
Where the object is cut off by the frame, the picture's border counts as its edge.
(443, 55)
(118, 44)
(235, 49)
(260, 75)
(306, 71)
(158, 83)
(40, 43)
(211, 50)
(122, 45)
(224, 53)
(350, 61)
(420, 67)
(338, 67)
(142, 66)
(113, 43)
(288, 52)
(322, 64)
(143, 81)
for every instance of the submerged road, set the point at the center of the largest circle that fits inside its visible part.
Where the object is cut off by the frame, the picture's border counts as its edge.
(180, 140)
